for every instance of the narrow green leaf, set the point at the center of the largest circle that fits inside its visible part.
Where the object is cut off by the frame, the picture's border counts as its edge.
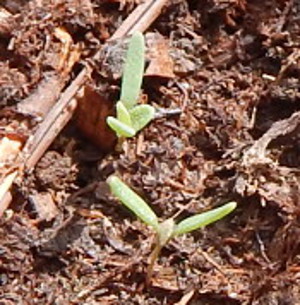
(123, 114)
(201, 220)
(141, 115)
(133, 70)
(132, 201)
(121, 129)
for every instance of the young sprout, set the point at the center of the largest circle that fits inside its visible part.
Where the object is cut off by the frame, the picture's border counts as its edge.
(131, 118)
(166, 229)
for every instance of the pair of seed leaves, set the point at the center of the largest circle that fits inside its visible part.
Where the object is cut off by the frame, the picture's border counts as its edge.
(131, 117)
(166, 229)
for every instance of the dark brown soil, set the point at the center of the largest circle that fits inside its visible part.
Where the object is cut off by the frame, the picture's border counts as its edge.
(235, 136)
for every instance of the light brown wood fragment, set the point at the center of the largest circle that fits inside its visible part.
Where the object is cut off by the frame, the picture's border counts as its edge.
(7, 22)
(44, 206)
(42, 99)
(161, 63)
(9, 149)
(5, 195)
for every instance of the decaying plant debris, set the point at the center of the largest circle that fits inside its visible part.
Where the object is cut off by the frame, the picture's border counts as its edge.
(226, 90)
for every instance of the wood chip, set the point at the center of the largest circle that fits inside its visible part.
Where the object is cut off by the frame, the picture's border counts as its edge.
(91, 115)
(256, 154)
(44, 206)
(161, 63)
(7, 22)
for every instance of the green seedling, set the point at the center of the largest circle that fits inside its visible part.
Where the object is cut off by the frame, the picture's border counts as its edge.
(167, 229)
(131, 118)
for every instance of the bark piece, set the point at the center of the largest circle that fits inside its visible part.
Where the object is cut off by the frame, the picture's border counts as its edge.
(161, 63)
(7, 22)
(44, 206)
(92, 112)
(256, 154)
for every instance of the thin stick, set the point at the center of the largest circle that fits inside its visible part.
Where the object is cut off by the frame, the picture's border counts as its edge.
(140, 19)
(44, 142)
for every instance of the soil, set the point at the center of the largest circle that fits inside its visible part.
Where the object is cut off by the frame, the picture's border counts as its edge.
(227, 130)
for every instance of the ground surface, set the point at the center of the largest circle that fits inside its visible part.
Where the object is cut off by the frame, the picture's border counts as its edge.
(236, 74)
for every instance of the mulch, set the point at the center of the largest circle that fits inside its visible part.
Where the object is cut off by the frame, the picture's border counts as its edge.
(223, 76)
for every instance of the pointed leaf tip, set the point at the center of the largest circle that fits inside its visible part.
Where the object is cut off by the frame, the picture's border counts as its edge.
(201, 220)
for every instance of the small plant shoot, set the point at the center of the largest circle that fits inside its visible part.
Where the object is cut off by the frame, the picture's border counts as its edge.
(131, 118)
(166, 229)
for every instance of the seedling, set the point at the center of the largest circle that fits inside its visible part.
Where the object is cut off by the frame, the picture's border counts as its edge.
(131, 118)
(168, 228)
